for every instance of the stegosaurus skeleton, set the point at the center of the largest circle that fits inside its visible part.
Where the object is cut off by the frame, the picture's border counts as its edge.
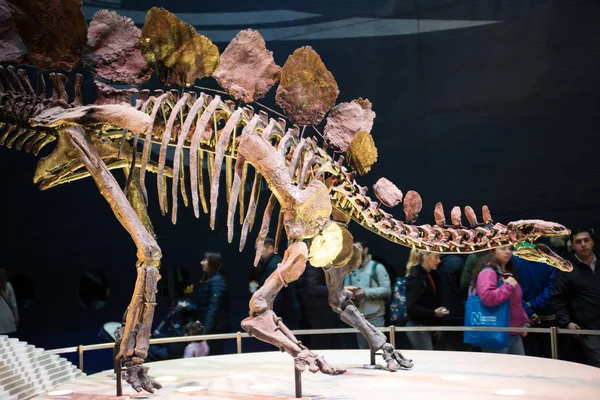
(317, 196)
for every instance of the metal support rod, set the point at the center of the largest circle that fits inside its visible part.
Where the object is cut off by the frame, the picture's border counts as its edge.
(117, 369)
(238, 339)
(393, 336)
(80, 351)
(372, 360)
(554, 341)
(298, 382)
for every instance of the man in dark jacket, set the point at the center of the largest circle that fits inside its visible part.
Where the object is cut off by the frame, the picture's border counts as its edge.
(576, 294)
(314, 296)
(453, 298)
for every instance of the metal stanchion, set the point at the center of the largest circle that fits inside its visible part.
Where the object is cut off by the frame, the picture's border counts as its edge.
(238, 339)
(298, 382)
(393, 336)
(117, 369)
(372, 359)
(554, 341)
(80, 351)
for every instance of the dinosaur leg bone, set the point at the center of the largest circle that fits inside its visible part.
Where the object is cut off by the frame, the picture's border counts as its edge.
(138, 320)
(339, 299)
(266, 326)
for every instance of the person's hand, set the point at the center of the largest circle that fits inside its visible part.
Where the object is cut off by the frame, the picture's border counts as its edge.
(573, 325)
(510, 280)
(535, 319)
(441, 312)
(359, 293)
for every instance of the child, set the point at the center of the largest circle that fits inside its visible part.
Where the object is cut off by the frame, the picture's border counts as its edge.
(195, 349)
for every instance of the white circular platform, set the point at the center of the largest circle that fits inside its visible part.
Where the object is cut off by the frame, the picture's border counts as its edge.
(436, 375)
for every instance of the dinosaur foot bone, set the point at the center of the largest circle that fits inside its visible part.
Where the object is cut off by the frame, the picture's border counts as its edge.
(137, 376)
(394, 359)
(315, 363)
(269, 328)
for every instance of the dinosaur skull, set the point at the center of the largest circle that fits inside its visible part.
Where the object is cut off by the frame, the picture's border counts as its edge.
(525, 232)
(529, 230)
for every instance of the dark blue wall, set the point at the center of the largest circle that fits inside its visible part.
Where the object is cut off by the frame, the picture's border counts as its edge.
(503, 114)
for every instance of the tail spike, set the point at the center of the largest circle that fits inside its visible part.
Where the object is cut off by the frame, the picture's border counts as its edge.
(471, 216)
(26, 82)
(438, 214)
(456, 216)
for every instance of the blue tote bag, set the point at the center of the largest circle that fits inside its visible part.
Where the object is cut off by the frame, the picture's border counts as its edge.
(479, 315)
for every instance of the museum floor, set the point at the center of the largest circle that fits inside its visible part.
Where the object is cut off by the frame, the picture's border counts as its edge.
(436, 375)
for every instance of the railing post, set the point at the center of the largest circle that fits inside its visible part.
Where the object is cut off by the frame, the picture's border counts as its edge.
(554, 341)
(80, 351)
(117, 368)
(393, 336)
(298, 382)
(238, 339)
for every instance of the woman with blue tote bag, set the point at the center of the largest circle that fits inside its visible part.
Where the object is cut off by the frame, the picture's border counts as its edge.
(497, 288)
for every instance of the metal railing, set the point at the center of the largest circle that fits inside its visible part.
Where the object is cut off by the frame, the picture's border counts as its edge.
(390, 330)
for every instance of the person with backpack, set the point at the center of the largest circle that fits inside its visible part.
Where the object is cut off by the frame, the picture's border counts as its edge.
(495, 282)
(422, 302)
(371, 290)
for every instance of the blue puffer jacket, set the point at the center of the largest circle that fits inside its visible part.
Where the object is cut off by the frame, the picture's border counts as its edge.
(536, 280)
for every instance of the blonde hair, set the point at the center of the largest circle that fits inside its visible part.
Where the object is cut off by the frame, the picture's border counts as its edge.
(415, 258)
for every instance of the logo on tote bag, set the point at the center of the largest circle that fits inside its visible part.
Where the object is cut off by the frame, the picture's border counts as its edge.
(477, 318)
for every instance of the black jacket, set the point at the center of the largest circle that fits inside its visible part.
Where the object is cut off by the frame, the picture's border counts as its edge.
(313, 291)
(576, 296)
(421, 298)
(450, 294)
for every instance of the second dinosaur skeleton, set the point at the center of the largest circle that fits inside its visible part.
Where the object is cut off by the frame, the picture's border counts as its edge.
(317, 195)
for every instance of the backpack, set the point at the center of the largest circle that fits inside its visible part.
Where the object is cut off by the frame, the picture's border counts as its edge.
(398, 303)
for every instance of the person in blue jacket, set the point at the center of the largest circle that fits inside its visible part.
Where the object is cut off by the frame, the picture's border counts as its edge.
(537, 280)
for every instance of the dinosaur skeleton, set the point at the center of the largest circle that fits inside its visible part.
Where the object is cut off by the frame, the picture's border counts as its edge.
(317, 195)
